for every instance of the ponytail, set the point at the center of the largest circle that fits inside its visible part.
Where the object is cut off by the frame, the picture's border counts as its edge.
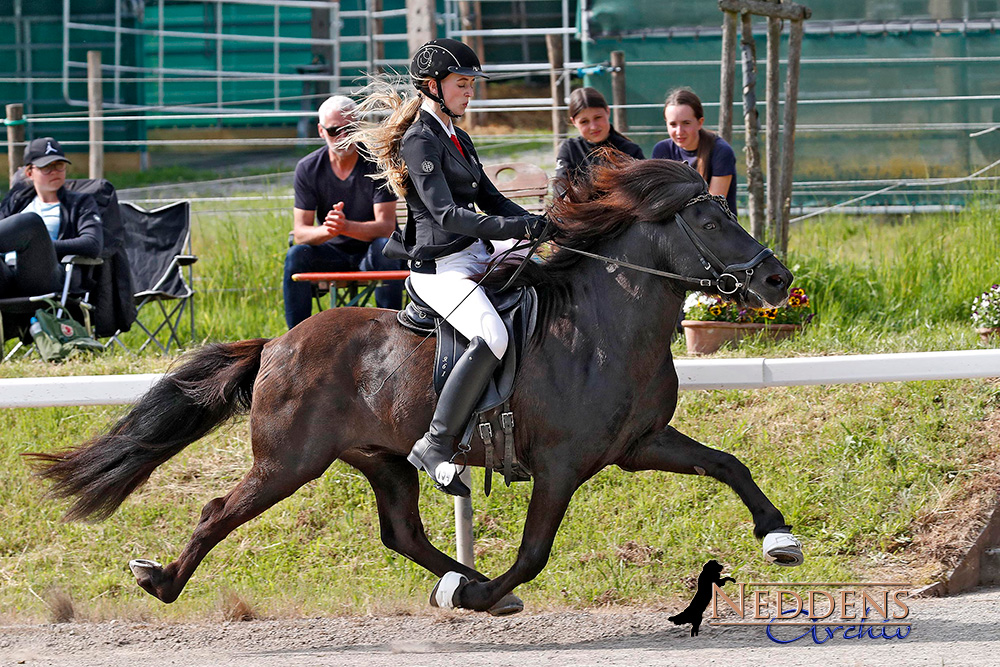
(380, 141)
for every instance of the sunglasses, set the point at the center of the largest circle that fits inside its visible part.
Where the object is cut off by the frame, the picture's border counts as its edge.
(52, 168)
(336, 130)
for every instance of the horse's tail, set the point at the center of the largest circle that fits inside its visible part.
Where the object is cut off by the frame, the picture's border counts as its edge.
(212, 385)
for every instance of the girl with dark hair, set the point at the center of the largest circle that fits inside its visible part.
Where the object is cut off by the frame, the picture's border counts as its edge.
(433, 164)
(590, 114)
(690, 142)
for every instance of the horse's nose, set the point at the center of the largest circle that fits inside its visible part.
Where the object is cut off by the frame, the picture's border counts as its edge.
(780, 280)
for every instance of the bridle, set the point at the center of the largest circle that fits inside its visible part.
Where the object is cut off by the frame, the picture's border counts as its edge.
(724, 278)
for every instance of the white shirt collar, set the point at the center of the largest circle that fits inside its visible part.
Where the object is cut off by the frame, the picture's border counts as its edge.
(430, 106)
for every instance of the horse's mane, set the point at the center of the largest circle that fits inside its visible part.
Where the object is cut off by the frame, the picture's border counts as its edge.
(619, 192)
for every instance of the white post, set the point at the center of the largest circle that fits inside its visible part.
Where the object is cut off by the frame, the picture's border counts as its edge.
(463, 525)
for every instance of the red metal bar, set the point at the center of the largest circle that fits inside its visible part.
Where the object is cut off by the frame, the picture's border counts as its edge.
(350, 276)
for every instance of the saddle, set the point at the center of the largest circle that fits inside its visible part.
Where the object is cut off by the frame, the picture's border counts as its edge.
(518, 310)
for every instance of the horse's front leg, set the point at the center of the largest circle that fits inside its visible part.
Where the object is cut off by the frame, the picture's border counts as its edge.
(549, 500)
(672, 451)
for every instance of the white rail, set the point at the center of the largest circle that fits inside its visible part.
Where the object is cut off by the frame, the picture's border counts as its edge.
(693, 374)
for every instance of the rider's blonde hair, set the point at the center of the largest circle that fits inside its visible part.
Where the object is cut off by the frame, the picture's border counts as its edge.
(380, 140)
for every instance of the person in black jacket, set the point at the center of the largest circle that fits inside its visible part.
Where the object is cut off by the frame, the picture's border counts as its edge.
(591, 116)
(40, 225)
(434, 165)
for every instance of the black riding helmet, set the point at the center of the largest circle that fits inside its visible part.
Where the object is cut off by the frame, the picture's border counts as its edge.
(436, 60)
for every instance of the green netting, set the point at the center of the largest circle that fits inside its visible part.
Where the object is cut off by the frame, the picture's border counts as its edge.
(873, 105)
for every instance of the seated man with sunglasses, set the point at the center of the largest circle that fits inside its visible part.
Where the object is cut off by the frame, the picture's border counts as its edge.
(342, 216)
(41, 222)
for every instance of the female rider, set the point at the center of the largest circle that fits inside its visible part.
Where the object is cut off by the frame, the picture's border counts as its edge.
(434, 165)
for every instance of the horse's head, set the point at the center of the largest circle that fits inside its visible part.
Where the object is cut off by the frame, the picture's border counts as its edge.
(676, 228)
(707, 243)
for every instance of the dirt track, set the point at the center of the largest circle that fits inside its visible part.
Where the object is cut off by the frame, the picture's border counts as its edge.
(951, 631)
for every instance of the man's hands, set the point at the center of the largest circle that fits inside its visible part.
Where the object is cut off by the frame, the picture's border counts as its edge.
(336, 223)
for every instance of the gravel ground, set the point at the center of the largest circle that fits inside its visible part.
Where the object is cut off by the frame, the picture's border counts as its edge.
(952, 631)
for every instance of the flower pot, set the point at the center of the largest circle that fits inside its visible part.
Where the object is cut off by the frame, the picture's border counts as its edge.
(707, 337)
(987, 334)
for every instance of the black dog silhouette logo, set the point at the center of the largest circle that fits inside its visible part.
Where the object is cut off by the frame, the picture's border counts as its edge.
(703, 596)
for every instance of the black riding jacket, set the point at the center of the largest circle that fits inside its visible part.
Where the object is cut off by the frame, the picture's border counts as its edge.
(443, 189)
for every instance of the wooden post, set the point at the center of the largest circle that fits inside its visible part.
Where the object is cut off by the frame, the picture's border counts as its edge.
(791, 107)
(322, 54)
(728, 76)
(95, 99)
(618, 90)
(554, 46)
(773, 225)
(755, 185)
(420, 27)
(464, 543)
(15, 140)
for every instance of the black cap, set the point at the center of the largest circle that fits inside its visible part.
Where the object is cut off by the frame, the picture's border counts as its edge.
(43, 151)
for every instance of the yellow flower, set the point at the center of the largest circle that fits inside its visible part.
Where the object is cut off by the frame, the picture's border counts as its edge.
(769, 313)
(715, 310)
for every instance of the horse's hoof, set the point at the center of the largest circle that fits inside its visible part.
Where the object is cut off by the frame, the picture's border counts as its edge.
(508, 604)
(143, 568)
(446, 591)
(783, 549)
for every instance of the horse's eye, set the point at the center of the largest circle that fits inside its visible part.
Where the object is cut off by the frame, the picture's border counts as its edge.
(709, 226)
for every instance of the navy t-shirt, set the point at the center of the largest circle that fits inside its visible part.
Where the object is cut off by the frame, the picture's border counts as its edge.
(722, 163)
(318, 189)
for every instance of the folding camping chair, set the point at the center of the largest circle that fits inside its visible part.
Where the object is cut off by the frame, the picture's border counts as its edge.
(75, 295)
(158, 244)
(16, 312)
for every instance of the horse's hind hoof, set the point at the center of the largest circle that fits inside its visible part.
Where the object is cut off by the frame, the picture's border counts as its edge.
(508, 604)
(143, 568)
(149, 575)
(783, 549)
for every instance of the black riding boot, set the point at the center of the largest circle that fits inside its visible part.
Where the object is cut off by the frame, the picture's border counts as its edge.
(458, 399)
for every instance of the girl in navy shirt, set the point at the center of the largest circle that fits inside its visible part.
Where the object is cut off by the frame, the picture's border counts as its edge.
(690, 142)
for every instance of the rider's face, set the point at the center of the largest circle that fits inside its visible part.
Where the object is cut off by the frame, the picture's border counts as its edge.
(457, 92)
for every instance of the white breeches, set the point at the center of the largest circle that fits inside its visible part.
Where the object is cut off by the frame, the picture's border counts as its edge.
(446, 289)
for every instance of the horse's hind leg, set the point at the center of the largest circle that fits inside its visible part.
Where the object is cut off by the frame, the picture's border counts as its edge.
(397, 491)
(672, 451)
(260, 489)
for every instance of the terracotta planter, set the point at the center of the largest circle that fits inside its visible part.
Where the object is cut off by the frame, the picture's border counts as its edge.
(707, 337)
(987, 334)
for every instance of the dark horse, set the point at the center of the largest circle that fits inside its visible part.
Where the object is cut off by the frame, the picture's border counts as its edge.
(597, 387)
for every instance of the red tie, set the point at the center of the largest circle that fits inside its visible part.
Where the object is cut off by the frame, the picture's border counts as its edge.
(454, 140)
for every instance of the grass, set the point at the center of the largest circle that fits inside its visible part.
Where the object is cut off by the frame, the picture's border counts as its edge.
(860, 470)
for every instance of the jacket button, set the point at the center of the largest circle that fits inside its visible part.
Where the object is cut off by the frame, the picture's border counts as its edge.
(475, 185)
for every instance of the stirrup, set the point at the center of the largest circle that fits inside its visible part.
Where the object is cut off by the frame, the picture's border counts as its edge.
(445, 474)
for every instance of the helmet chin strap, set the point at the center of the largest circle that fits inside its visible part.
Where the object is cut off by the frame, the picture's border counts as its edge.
(440, 100)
